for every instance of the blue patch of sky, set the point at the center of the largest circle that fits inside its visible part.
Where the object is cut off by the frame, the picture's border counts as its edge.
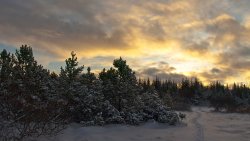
(55, 66)
(9, 48)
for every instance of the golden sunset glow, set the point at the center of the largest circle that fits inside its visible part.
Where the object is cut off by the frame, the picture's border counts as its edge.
(172, 39)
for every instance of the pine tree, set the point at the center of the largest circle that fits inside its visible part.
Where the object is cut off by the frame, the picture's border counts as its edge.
(6, 65)
(123, 83)
(88, 78)
(27, 97)
(71, 70)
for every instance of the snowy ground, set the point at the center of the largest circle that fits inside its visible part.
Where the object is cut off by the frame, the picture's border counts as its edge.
(200, 125)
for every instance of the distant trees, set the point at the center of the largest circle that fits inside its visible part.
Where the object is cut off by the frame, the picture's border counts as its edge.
(181, 95)
(177, 95)
(236, 99)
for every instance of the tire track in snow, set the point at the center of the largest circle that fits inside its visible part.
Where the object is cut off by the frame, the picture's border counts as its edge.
(198, 127)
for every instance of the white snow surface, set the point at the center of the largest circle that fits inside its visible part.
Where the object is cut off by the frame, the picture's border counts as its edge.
(200, 125)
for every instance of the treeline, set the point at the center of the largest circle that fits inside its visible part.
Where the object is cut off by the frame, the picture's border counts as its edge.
(35, 101)
(234, 99)
(181, 95)
(178, 95)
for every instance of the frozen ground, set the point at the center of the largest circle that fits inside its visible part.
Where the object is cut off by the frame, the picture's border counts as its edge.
(200, 125)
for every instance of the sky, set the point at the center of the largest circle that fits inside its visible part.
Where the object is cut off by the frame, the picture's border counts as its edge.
(170, 39)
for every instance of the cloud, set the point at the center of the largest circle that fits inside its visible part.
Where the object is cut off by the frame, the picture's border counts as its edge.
(215, 71)
(161, 74)
(161, 70)
(60, 26)
(147, 33)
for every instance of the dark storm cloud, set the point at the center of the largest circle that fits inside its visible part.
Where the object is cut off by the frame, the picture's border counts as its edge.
(197, 47)
(162, 70)
(218, 74)
(237, 59)
(161, 74)
(230, 64)
(215, 71)
(151, 71)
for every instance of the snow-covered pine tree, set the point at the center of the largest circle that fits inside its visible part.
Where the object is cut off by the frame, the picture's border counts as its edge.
(88, 78)
(71, 70)
(83, 94)
(26, 96)
(69, 87)
(6, 64)
(110, 80)
(121, 88)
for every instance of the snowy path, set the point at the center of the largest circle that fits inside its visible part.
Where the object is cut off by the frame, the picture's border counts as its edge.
(201, 125)
(198, 126)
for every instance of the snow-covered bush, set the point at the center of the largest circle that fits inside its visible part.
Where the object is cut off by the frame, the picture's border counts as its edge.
(133, 118)
(99, 119)
(111, 114)
(155, 109)
(182, 116)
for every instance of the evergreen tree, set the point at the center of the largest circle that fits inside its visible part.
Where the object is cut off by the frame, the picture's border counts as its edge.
(6, 65)
(121, 86)
(26, 100)
(71, 70)
(88, 78)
